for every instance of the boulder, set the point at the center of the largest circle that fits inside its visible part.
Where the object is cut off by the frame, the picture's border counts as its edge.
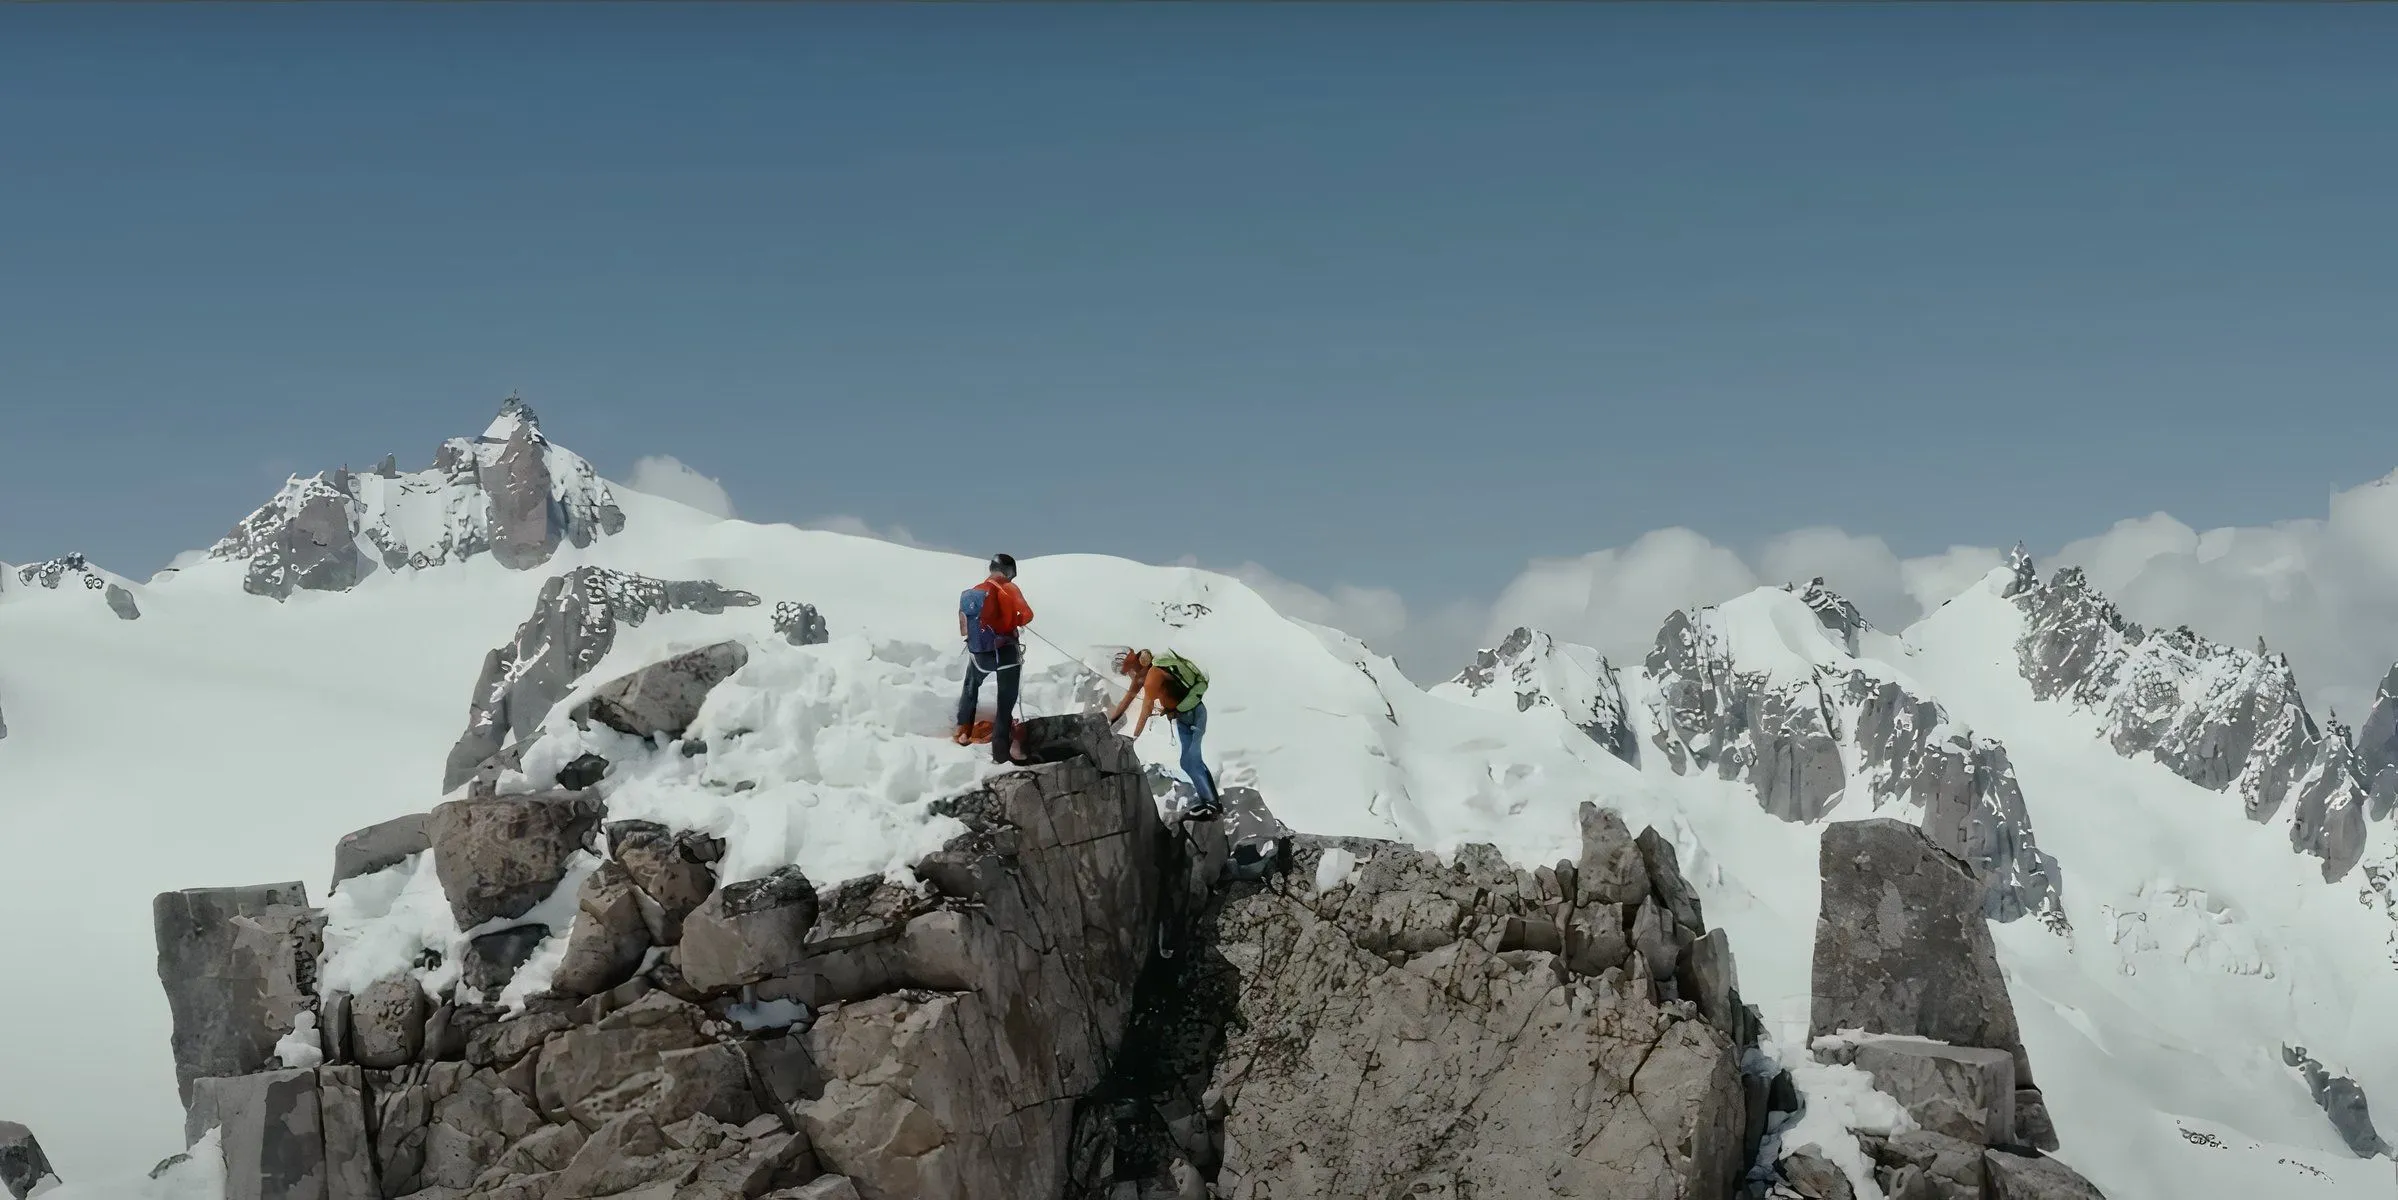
(747, 931)
(663, 698)
(671, 869)
(273, 1133)
(239, 967)
(498, 856)
(1901, 944)
(492, 959)
(1815, 1179)
(1960, 1091)
(1942, 1167)
(381, 846)
(800, 624)
(584, 772)
(2035, 1177)
(1666, 883)
(609, 938)
(121, 603)
(387, 1023)
(23, 1166)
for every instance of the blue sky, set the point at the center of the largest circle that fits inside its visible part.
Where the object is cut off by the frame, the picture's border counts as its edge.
(1389, 296)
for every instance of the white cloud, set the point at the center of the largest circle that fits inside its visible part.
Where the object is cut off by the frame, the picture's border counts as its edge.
(1615, 599)
(665, 477)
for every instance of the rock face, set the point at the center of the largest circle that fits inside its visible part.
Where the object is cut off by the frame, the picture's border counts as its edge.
(1907, 988)
(239, 968)
(2377, 748)
(509, 492)
(2342, 1100)
(23, 1166)
(663, 698)
(2220, 717)
(1411, 1028)
(572, 628)
(1803, 742)
(1537, 672)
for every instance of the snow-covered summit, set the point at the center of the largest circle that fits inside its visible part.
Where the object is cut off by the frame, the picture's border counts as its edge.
(509, 492)
(1529, 669)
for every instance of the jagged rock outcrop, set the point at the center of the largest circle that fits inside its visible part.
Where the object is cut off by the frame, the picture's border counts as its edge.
(573, 626)
(509, 492)
(380, 846)
(2342, 1100)
(239, 969)
(974, 1036)
(24, 1169)
(2377, 749)
(1538, 672)
(1804, 743)
(1367, 1021)
(878, 1041)
(663, 698)
(2218, 716)
(1907, 988)
(75, 568)
(800, 624)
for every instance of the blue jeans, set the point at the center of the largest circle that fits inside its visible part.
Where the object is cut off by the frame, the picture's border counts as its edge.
(1189, 728)
(1008, 664)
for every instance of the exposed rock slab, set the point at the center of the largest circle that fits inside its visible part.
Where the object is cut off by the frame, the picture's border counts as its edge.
(23, 1166)
(2035, 1177)
(1901, 944)
(664, 698)
(381, 846)
(239, 967)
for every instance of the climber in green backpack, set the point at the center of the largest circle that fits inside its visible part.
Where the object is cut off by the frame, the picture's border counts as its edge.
(1171, 684)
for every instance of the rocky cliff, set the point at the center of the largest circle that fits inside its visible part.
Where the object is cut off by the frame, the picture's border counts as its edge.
(2218, 716)
(1069, 999)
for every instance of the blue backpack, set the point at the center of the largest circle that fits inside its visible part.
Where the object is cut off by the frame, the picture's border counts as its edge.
(980, 638)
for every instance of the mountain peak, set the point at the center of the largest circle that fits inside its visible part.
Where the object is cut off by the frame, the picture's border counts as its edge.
(509, 492)
(514, 414)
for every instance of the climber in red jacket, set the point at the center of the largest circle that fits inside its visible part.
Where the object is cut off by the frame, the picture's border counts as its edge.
(989, 616)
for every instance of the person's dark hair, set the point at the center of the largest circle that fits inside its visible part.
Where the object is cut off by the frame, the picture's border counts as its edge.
(1004, 565)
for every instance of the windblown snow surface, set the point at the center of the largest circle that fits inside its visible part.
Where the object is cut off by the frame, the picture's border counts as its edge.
(227, 739)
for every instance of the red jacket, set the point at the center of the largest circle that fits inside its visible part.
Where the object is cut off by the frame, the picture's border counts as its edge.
(1005, 610)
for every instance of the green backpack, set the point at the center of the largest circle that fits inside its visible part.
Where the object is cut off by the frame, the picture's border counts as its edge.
(1186, 675)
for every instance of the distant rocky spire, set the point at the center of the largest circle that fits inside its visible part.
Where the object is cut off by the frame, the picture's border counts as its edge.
(514, 412)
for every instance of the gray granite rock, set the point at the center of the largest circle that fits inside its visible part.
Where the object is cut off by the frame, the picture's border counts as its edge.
(23, 1166)
(499, 856)
(1901, 944)
(2034, 1177)
(573, 626)
(663, 698)
(382, 846)
(239, 967)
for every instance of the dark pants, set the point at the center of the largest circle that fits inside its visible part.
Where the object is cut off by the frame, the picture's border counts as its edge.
(1008, 664)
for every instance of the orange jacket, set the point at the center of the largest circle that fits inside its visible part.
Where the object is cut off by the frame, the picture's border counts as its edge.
(1005, 611)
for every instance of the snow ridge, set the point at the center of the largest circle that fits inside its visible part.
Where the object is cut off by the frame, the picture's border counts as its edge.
(2225, 719)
